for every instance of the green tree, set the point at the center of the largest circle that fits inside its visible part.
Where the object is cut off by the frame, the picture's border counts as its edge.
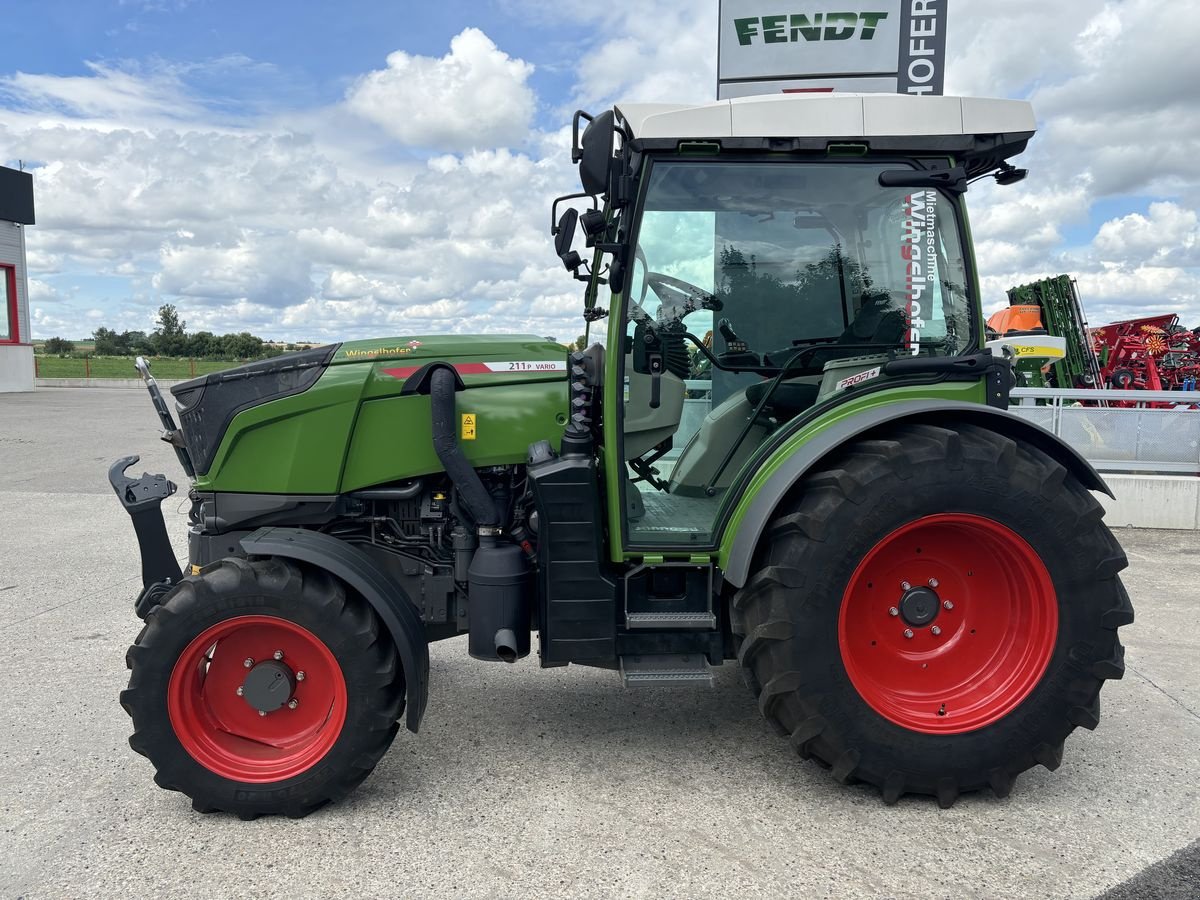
(581, 342)
(58, 347)
(137, 342)
(107, 341)
(203, 343)
(242, 345)
(170, 337)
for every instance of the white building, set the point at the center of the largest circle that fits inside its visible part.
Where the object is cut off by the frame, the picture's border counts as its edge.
(16, 345)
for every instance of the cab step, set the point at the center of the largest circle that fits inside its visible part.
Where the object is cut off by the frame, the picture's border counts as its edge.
(702, 620)
(666, 669)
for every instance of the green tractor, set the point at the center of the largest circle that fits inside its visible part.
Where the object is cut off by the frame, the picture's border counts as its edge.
(787, 449)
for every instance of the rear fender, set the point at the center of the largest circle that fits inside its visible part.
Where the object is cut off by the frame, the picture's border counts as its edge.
(360, 572)
(753, 513)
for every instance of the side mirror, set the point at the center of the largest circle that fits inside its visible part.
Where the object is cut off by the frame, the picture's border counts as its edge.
(953, 180)
(564, 236)
(1009, 174)
(596, 154)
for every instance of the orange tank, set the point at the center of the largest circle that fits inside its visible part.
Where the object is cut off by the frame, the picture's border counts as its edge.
(1016, 319)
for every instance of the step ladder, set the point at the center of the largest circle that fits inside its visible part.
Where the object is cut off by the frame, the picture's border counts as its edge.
(663, 670)
(702, 620)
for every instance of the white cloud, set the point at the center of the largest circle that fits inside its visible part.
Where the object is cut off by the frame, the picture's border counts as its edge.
(474, 96)
(108, 93)
(42, 292)
(262, 269)
(662, 51)
(1167, 234)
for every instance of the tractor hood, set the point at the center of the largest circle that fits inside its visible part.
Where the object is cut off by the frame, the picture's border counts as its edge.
(307, 391)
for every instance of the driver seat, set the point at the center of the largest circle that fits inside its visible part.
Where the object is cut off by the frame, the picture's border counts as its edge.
(788, 400)
(877, 322)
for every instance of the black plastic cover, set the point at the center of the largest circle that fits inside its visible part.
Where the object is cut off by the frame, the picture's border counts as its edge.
(576, 594)
(208, 404)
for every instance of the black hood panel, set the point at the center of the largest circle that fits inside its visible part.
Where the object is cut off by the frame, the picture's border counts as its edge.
(208, 404)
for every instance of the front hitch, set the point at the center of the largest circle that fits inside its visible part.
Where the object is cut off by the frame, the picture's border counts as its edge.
(142, 499)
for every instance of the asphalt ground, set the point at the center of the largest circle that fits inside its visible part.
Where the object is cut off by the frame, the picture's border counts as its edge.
(527, 782)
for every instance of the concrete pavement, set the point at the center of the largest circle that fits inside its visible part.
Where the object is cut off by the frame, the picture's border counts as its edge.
(527, 782)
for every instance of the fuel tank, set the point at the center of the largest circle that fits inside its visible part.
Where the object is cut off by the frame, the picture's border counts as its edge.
(338, 418)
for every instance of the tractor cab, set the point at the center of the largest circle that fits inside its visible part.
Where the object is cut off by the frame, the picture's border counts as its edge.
(768, 260)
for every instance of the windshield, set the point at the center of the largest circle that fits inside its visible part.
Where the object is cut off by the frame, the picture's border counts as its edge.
(800, 253)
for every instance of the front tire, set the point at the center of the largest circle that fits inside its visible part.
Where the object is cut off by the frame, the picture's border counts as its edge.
(934, 612)
(261, 687)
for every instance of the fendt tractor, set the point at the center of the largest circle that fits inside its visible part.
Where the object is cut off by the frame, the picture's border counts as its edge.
(787, 446)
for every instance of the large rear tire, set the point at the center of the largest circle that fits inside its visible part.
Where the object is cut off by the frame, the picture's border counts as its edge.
(934, 612)
(261, 687)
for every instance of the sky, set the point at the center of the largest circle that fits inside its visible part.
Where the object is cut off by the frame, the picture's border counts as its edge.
(316, 171)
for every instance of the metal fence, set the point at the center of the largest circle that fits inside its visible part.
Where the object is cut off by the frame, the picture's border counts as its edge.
(1164, 441)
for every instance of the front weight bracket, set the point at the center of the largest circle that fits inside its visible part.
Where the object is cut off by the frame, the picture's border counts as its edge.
(142, 499)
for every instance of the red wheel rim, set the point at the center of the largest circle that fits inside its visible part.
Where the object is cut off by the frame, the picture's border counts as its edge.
(223, 732)
(993, 627)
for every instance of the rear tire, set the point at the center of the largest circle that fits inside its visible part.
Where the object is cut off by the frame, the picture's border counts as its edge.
(1020, 654)
(334, 695)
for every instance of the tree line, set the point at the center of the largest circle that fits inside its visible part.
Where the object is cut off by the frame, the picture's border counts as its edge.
(170, 338)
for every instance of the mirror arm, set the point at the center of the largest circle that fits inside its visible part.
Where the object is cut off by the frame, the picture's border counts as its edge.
(558, 200)
(576, 148)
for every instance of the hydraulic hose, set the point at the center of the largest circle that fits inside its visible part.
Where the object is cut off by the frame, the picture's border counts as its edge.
(471, 491)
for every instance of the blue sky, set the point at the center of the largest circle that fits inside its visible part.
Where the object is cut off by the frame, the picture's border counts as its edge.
(311, 171)
(314, 49)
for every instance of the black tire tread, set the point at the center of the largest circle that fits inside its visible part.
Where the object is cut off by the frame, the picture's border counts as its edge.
(763, 616)
(363, 644)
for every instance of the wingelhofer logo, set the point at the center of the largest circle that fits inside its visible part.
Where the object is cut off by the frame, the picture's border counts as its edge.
(793, 27)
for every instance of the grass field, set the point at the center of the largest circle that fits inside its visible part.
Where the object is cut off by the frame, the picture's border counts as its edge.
(122, 367)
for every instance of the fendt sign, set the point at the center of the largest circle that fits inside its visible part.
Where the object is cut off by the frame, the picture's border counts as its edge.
(887, 46)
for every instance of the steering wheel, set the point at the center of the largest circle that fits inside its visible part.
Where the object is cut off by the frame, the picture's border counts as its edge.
(677, 293)
(674, 294)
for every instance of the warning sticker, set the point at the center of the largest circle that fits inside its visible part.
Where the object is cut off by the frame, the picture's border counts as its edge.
(468, 426)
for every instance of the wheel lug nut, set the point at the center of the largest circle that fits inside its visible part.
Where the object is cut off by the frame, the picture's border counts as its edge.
(904, 585)
(279, 654)
(262, 712)
(300, 676)
(908, 632)
(936, 630)
(933, 582)
(293, 703)
(241, 690)
(892, 611)
(248, 662)
(946, 604)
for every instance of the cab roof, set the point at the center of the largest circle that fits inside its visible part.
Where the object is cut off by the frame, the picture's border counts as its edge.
(829, 115)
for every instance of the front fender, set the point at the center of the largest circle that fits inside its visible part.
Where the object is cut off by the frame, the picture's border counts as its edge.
(756, 509)
(360, 572)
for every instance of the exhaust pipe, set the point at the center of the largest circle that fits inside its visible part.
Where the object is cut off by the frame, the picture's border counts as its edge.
(506, 645)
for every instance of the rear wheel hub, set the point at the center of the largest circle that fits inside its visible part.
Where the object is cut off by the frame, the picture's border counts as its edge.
(919, 606)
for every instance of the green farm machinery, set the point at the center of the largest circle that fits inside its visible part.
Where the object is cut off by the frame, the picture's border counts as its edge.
(916, 584)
